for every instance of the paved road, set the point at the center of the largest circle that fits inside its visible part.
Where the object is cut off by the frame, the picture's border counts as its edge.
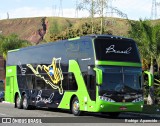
(60, 116)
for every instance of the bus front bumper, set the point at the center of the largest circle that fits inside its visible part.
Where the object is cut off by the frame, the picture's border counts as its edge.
(104, 106)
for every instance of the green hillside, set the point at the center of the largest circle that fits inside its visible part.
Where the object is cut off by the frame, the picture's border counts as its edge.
(45, 29)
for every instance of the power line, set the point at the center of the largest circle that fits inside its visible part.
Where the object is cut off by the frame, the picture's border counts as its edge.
(60, 9)
(155, 4)
(109, 8)
(54, 10)
(154, 10)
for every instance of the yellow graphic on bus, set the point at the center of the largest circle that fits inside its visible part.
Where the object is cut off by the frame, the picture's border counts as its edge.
(53, 71)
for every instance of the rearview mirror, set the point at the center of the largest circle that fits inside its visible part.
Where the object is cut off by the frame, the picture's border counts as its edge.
(150, 78)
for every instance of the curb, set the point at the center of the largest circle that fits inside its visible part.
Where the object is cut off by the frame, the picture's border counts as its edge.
(143, 114)
(7, 102)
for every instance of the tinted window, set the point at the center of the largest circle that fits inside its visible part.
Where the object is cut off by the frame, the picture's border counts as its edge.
(116, 50)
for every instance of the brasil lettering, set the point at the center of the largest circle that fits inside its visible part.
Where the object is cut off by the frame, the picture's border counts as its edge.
(111, 49)
(40, 99)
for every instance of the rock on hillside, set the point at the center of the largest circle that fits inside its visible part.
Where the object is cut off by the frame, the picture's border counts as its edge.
(31, 29)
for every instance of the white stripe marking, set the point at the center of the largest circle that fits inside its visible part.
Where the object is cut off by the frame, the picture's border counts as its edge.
(3, 114)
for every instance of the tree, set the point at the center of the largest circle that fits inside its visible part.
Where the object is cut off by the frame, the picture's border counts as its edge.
(98, 8)
(91, 6)
(103, 5)
(94, 7)
(147, 37)
(11, 42)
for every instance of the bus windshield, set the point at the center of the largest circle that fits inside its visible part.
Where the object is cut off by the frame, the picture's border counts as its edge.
(121, 79)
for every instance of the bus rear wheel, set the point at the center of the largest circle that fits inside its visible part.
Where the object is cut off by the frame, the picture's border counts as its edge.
(18, 102)
(75, 108)
(25, 103)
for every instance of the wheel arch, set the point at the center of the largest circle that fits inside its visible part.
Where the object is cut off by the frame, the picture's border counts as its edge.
(73, 96)
(15, 96)
(23, 93)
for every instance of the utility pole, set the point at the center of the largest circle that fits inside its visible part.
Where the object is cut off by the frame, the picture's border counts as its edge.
(76, 10)
(154, 9)
(102, 5)
(7, 15)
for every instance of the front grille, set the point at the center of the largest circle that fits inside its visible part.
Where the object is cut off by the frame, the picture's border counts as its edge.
(122, 99)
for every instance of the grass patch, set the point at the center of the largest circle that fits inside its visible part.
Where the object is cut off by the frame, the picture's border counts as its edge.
(151, 109)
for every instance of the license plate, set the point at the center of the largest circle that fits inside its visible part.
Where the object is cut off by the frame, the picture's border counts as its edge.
(123, 108)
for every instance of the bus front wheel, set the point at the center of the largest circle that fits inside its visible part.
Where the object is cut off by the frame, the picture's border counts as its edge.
(76, 107)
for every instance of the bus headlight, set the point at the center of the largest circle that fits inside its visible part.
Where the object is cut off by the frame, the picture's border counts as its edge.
(140, 99)
(106, 99)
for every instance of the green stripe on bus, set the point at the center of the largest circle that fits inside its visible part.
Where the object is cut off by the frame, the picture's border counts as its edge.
(73, 38)
(14, 50)
(118, 63)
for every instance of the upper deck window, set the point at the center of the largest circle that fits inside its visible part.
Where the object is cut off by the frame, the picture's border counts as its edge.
(122, 50)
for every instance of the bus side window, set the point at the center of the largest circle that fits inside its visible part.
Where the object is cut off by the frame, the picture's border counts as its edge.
(91, 83)
(65, 81)
(33, 82)
(29, 81)
(91, 78)
(47, 86)
(72, 85)
(40, 84)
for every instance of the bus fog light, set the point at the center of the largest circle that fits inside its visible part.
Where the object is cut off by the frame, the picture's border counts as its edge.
(141, 106)
(102, 106)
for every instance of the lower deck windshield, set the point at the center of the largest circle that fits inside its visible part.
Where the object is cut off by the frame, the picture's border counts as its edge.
(121, 79)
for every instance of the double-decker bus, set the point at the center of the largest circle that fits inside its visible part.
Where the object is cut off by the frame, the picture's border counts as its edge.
(97, 73)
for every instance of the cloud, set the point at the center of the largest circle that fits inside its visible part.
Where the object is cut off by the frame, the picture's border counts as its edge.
(29, 12)
(135, 9)
(25, 12)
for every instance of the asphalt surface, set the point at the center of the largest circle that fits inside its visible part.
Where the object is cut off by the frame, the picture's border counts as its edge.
(9, 114)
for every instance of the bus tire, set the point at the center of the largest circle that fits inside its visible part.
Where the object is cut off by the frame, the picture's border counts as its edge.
(25, 103)
(18, 102)
(75, 108)
(1, 100)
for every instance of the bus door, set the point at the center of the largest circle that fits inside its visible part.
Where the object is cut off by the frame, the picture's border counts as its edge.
(10, 88)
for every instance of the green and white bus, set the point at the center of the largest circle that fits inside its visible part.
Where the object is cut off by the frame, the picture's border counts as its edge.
(97, 73)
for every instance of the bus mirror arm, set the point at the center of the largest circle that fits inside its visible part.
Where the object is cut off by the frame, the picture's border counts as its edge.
(150, 78)
(91, 71)
(99, 76)
(98, 84)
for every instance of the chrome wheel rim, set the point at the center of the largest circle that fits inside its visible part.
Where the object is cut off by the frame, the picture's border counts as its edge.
(76, 106)
(18, 102)
(24, 102)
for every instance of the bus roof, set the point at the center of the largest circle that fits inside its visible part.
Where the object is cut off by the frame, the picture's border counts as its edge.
(92, 36)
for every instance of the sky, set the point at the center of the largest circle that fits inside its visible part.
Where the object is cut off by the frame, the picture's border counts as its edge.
(135, 9)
